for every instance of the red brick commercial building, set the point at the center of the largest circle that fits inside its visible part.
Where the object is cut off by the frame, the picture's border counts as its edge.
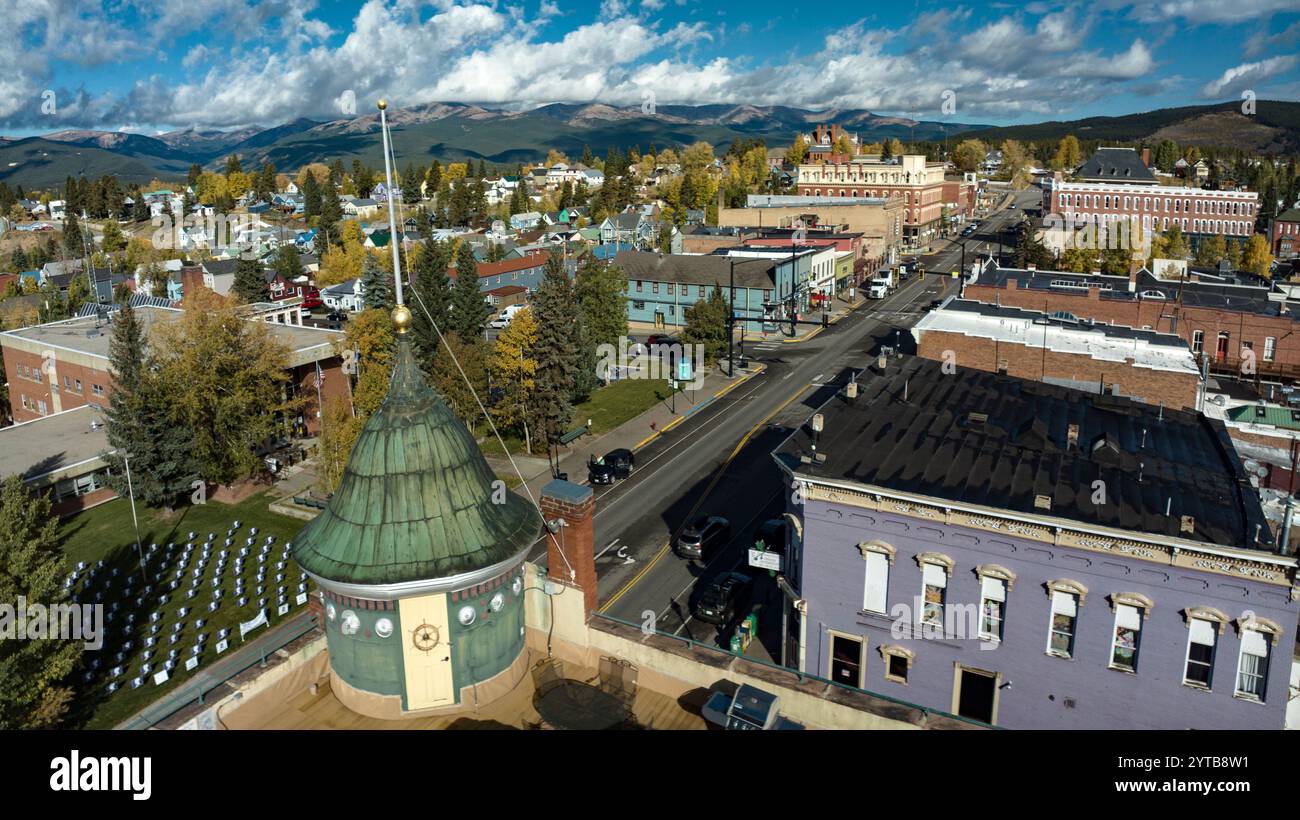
(1155, 368)
(1219, 320)
(1284, 234)
(919, 184)
(62, 365)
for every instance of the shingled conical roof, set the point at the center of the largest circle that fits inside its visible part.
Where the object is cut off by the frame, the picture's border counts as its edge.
(415, 501)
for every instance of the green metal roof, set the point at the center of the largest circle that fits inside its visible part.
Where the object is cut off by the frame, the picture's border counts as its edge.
(415, 501)
(1272, 415)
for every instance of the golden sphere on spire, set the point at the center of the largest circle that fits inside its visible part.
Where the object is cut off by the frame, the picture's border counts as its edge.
(401, 318)
(383, 103)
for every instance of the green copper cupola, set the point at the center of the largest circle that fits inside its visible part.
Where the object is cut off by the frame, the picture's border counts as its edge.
(419, 554)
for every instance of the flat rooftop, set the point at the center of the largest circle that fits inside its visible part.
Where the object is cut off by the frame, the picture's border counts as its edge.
(1210, 295)
(1061, 334)
(87, 336)
(795, 201)
(51, 445)
(985, 439)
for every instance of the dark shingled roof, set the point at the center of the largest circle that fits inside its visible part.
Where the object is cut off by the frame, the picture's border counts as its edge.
(930, 445)
(415, 501)
(697, 270)
(1119, 165)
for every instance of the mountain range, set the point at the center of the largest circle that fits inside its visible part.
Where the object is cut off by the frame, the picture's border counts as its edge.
(457, 131)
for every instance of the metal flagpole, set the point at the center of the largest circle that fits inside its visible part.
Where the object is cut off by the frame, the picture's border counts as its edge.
(392, 208)
(139, 551)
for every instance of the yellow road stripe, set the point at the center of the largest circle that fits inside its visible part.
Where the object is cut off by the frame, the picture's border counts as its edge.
(717, 476)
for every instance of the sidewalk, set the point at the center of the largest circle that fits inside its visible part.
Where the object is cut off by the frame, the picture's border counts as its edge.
(632, 434)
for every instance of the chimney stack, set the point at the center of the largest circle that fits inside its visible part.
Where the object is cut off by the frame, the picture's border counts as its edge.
(570, 553)
(1146, 157)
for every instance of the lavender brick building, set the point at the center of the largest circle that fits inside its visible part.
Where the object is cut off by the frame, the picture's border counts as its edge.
(1035, 557)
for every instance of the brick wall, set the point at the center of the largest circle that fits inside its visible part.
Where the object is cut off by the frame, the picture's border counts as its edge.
(68, 396)
(1175, 390)
(336, 385)
(578, 542)
(1240, 326)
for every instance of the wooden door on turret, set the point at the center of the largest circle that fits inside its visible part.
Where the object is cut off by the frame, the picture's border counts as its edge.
(426, 653)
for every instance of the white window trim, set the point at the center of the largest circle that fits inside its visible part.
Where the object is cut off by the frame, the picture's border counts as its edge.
(1214, 649)
(1270, 638)
(1133, 600)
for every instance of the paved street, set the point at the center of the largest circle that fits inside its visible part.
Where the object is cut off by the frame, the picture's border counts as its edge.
(718, 462)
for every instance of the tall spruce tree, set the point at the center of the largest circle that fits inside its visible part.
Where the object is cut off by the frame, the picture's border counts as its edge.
(431, 292)
(310, 196)
(250, 281)
(331, 213)
(34, 674)
(556, 310)
(140, 424)
(469, 311)
(377, 283)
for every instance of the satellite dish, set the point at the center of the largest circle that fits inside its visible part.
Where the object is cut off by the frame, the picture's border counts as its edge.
(1255, 468)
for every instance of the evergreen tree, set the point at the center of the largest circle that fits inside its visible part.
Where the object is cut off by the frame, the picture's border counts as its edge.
(34, 674)
(72, 239)
(250, 281)
(287, 263)
(469, 311)
(556, 311)
(331, 213)
(233, 166)
(377, 284)
(139, 423)
(311, 198)
(446, 376)
(196, 171)
(410, 186)
(430, 291)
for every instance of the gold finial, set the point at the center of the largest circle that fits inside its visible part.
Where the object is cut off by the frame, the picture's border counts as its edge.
(383, 103)
(401, 318)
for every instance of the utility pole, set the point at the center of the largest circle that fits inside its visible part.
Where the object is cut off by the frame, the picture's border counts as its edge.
(731, 319)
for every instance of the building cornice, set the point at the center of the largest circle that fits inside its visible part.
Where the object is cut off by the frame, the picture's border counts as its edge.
(1269, 568)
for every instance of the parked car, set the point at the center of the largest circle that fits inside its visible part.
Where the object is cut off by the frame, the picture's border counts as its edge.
(507, 315)
(703, 537)
(726, 598)
(616, 464)
(337, 316)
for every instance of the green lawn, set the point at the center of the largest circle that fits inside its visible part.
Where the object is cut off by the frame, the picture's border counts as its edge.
(106, 533)
(607, 408)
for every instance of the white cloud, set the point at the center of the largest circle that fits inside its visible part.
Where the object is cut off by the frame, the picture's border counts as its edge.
(1239, 78)
(270, 61)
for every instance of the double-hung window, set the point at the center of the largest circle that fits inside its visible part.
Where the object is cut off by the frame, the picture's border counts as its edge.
(1065, 617)
(934, 587)
(1199, 670)
(993, 602)
(1125, 640)
(1252, 666)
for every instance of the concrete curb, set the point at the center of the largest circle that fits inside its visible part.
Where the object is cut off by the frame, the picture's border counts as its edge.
(670, 425)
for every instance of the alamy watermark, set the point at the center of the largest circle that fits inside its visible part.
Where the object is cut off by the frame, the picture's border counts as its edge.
(676, 361)
(52, 622)
(213, 231)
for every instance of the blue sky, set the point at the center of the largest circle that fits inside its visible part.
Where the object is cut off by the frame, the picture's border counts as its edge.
(162, 64)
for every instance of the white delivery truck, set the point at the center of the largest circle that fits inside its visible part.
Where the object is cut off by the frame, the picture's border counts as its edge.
(504, 318)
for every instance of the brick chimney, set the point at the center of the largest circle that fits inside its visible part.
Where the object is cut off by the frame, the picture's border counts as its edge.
(1146, 157)
(570, 548)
